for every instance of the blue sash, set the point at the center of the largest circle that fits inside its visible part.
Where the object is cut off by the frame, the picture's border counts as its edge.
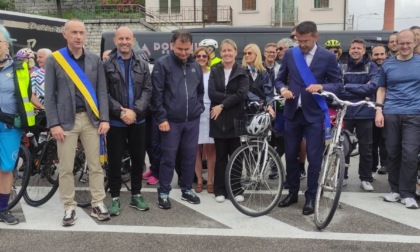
(308, 78)
(83, 84)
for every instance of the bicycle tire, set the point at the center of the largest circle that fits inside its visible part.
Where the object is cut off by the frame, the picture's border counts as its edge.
(43, 182)
(329, 188)
(21, 174)
(260, 193)
(355, 152)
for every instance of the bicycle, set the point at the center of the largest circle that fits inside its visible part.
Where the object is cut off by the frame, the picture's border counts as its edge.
(247, 181)
(21, 174)
(331, 177)
(43, 182)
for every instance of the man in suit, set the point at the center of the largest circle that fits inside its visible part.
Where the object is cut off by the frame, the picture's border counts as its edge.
(304, 116)
(71, 115)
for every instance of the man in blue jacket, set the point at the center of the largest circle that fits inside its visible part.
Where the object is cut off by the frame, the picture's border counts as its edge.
(177, 102)
(360, 77)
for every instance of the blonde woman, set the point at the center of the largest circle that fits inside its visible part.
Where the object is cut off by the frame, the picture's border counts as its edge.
(205, 142)
(260, 86)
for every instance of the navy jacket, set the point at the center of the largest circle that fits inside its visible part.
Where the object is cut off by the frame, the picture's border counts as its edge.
(360, 83)
(326, 72)
(178, 89)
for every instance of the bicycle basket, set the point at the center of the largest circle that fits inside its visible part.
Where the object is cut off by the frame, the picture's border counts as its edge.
(252, 124)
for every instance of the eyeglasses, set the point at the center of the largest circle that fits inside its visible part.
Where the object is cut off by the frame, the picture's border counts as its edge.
(202, 56)
(270, 52)
(279, 49)
(248, 53)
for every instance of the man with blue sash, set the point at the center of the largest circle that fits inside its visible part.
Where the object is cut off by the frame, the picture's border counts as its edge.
(304, 70)
(76, 105)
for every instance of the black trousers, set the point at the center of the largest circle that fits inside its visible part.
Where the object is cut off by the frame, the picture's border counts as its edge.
(364, 136)
(224, 148)
(403, 145)
(379, 154)
(132, 136)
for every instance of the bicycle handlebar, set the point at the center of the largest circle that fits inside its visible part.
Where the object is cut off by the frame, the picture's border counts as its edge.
(275, 98)
(347, 103)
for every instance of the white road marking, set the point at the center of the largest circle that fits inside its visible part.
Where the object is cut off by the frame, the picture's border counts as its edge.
(48, 218)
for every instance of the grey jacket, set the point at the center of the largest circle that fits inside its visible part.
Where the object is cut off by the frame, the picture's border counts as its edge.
(60, 92)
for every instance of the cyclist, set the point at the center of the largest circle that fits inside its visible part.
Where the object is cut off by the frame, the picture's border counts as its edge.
(12, 102)
(211, 46)
(334, 46)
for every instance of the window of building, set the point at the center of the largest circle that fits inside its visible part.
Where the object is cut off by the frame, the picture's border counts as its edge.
(175, 6)
(249, 5)
(163, 6)
(322, 4)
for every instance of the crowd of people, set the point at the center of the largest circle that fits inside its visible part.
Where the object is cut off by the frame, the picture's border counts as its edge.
(183, 111)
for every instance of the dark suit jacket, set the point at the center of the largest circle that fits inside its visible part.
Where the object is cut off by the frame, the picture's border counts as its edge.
(60, 92)
(326, 72)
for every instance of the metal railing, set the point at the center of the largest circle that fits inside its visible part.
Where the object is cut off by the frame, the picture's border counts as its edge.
(190, 14)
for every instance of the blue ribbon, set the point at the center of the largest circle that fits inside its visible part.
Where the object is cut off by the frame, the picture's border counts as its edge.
(308, 78)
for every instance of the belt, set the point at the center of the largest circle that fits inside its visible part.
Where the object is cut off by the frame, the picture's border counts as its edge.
(80, 110)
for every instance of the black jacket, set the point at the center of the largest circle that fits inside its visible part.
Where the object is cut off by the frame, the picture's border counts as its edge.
(232, 96)
(117, 88)
(178, 89)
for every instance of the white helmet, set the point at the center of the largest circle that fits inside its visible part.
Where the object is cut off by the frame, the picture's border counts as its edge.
(258, 124)
(209, 42)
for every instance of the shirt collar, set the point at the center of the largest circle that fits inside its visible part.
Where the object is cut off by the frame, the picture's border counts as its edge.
(312, 52)
(81, 57)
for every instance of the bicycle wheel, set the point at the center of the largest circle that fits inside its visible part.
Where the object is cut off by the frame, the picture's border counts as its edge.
(247, 175)
(81, 179)
(21, 174)
(355, 152)
(126, 168)
(43, 182)
(329, 188)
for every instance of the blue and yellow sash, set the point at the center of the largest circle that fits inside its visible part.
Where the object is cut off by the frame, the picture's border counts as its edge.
(85, 87)
(308, 78)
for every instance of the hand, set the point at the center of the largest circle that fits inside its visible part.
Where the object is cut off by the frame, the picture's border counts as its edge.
(58, 133)
(215, 112)
(313, 88)
(379, 119)
(271, 111)
(129, 116)
(164, 126)
(287, 94)
(103, 128)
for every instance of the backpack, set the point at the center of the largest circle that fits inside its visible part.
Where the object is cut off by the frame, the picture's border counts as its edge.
(349, 142)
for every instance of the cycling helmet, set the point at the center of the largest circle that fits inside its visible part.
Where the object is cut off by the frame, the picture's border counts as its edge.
(332, 43)
(25, 53)
(258, 124)
(209, 42)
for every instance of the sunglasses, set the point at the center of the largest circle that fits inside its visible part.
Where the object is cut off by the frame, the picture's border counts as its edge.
(335, 51)
(247, 53)
(279, 49)
(202, 56)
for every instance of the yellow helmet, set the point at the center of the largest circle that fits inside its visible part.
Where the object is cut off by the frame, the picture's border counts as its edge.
(332, 43)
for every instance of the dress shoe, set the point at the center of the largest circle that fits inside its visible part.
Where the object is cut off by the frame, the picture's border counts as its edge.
(308, 208)
(290, 199)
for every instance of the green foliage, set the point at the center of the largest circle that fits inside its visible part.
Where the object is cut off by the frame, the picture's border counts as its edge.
(5, 4)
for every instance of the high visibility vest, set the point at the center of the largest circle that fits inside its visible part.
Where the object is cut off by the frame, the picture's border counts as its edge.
(23, 92)
(215, 60)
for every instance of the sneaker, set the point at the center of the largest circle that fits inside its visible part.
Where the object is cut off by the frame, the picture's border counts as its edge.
(383, 170)
(147, 174)
(138, 202)
(7, 217)
(152, 180)
(163, 201)
(239, 198)
(220, 199)
(69, 217)
(115, 208)
(392, 197)
(189, 196)
(273, 175)
(409, 203)
(100, 212)
(367, 186)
